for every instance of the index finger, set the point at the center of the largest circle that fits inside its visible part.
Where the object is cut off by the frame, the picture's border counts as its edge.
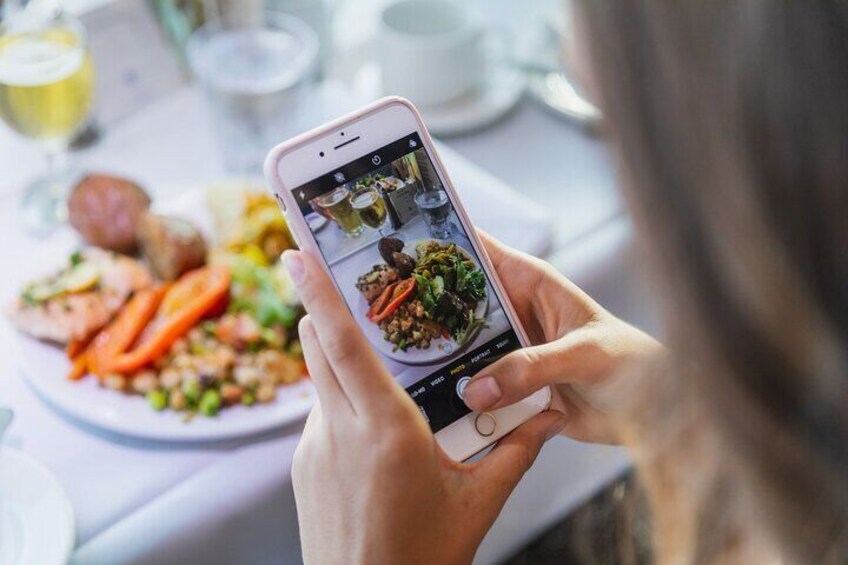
(360, 372)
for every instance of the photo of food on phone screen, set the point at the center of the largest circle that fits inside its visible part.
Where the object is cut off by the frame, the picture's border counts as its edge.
(408, 272)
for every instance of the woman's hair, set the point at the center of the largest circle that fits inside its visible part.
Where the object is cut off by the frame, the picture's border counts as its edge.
(730, 123)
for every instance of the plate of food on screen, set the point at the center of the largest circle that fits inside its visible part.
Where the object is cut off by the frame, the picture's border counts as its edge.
(425, 302)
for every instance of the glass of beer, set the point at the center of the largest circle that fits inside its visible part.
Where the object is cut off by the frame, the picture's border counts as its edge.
(371, 207)
(46, 84)
(315, 204)
(337, 204)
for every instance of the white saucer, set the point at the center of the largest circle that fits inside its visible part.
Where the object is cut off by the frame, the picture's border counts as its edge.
(499, 94)
(36, 517)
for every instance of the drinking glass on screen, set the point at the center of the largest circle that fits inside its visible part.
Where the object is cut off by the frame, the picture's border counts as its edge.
(436, 209)
(338, 204)
(46, 87)
(371, 207)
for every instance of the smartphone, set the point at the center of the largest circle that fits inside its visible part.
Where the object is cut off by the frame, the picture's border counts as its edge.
(368, 196)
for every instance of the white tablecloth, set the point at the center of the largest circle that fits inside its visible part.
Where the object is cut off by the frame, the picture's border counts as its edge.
(144, 502)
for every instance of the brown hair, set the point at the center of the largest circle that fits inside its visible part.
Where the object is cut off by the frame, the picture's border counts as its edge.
(730, 120)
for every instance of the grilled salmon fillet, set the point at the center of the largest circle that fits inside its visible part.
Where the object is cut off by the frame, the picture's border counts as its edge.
(78, 313)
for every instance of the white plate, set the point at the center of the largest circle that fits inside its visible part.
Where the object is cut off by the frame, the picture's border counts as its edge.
(440, 349)
(45, 366)
(36, 517)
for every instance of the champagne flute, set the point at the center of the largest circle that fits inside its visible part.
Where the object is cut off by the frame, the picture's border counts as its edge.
(46, 86)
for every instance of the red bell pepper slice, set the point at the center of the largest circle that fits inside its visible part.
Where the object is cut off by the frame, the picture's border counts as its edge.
(400, 291)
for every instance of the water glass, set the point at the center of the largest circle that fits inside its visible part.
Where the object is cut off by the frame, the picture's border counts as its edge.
(436, 208)
(257, 78)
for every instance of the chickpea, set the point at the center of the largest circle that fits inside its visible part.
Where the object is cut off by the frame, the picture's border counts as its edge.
(231, 393)
(224, 355)
(144, 381)
(188, 375)
(180, 346)
(246, 375)
(115, 381)
(182, 361)
(266, 393)
(170, 378)
(196, 335)
(177, 400)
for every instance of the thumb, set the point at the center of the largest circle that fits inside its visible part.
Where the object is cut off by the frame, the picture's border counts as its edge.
(515, 453)
(574, 357)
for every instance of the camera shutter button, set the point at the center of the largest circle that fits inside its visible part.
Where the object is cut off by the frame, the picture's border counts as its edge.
(460, 386)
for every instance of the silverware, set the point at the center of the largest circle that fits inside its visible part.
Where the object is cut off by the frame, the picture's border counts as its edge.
(552, 85)
(6, 416)
(557, 93)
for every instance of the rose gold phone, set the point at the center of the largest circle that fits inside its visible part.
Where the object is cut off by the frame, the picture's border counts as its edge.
(368, 196)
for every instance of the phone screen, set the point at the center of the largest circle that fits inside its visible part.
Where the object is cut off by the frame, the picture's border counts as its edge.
(408, 273)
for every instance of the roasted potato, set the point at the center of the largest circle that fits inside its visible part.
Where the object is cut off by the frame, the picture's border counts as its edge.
(105, 211)
(171, 246)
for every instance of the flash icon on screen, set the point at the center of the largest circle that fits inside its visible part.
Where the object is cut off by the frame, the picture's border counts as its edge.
(339, 177)
(412, 143)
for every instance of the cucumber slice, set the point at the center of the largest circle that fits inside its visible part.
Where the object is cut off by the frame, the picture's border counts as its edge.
(79, 278)
(83, 276)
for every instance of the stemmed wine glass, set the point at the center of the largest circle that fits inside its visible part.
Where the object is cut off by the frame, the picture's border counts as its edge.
(371, 207)
(46, 85)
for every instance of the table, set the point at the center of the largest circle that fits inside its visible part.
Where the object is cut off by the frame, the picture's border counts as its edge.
(232, 502)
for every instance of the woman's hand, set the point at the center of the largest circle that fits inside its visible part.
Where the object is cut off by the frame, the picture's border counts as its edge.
(579, 349)
(370, 482)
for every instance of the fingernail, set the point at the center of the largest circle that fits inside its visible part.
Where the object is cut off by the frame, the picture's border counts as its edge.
(555, 428)
(294, 265)
(482, 393)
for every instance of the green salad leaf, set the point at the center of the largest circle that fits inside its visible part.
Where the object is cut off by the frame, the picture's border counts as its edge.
(449, 288)
(259, 291)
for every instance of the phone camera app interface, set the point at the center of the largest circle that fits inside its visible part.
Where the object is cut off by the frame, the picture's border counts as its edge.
(408, 272)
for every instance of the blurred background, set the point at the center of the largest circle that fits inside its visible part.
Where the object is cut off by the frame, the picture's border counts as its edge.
(183, 96)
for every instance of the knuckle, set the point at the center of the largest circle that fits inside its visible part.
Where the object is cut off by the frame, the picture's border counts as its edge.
(306, 291)
(521, 368)
(340, 348)
(525, 456)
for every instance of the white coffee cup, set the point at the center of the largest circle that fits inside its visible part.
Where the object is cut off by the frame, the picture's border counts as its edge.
(430, 51)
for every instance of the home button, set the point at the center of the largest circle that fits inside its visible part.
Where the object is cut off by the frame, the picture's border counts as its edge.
(485, 424)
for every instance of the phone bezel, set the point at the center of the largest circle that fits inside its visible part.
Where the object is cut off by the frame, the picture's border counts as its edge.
(318, 152)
